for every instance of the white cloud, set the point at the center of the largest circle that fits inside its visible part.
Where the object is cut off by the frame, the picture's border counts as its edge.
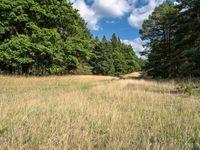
(88, 14)
(111, 8)
(176, 3)
(137, 45)
(99, 9)
(138, 15)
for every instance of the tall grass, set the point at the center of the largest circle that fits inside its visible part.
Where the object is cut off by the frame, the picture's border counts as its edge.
(85, 112)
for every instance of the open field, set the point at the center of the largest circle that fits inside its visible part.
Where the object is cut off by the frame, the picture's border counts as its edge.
(88, 112)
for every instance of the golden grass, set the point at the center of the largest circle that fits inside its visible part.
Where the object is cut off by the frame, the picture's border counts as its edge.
(88, 112)
(133, 75)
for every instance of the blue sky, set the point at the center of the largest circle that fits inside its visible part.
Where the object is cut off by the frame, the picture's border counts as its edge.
(123, 17)
(120, 26)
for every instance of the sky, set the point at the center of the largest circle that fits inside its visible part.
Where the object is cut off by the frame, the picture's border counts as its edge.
(122, 17)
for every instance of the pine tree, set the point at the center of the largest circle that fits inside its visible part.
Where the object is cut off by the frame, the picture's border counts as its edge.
(113, 57)
(42, 37)
(118, 57)
(102, 60)
(159, 30)
(188, 38)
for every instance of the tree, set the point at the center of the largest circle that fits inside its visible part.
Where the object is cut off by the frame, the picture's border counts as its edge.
(118, 57)
(188, 38)
(133, 63)
(42, 37)
(159, 31)
(113, 57)
(102, 60)
(174, 39)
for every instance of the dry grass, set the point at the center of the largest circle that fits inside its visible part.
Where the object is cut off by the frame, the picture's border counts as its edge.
(86, 112)
(133, 75)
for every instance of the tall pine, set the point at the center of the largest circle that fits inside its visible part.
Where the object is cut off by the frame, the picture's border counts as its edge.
(159, 30)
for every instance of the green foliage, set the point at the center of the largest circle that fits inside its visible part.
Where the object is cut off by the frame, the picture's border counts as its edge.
(173, 36)
(113, 57)
(42, 37)
(158, 30)
(188, 37)
(102, 60)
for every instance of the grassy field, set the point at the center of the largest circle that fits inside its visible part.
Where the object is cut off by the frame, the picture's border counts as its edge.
(88, 112)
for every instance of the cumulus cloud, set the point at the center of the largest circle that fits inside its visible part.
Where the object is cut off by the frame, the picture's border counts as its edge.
(98, 9)
(111, 8)
(138, 15)
(88, 14)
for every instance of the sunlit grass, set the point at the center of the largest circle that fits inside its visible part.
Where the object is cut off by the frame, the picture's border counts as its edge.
(87, 112)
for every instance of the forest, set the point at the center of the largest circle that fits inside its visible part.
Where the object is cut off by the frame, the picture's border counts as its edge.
(172, 34)
(48, 37)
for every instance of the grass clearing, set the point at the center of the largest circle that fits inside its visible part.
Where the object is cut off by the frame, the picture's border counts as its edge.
(91, 112)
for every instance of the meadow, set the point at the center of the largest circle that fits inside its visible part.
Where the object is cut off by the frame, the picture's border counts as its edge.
(96, 112)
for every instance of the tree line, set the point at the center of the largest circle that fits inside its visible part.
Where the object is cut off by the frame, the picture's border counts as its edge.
(45, 37)
(172, 35)
(113, 57)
